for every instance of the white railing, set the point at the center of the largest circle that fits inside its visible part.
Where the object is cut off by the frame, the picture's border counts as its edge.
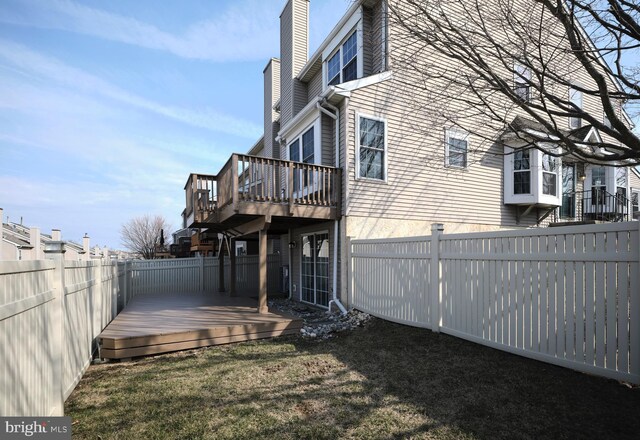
(569, 296)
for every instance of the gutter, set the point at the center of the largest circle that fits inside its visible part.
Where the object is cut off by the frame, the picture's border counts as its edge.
(336, 117)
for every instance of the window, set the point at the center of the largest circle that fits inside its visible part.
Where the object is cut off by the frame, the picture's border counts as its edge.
(549, 175)
(522, 82)
(575, 98)
(303, 150)
(621, 187)
(598, 185)
(635, 195)
(372, 148)
(521, 172)
(456, 147)
(342, 66)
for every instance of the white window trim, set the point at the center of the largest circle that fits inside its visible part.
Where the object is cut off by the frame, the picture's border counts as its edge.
(353, 24)
(357, 148)
(455, 133)
(529, 170)
(315, 293)
(317, 150)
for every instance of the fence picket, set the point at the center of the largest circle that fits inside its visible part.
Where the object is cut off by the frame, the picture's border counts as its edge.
(567, 296)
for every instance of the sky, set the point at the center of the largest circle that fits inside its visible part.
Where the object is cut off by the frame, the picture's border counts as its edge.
(107, 107)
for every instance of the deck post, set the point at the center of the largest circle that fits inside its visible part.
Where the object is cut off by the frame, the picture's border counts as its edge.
(55, 251)
(262, 273)
(221, 265)
(232, 263)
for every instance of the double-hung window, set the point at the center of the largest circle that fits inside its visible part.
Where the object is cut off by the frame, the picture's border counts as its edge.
(521, 172)
(372, 148)
(456, 147)
(522, 82)
(549, 175)
(621, 187)
(343, 64)
(575, 99)
(303, 150)
(635, 203)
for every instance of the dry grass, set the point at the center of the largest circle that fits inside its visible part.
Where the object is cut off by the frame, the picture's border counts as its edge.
(385, 381)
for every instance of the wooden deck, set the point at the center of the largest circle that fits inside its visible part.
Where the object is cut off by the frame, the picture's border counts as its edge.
(153, 324)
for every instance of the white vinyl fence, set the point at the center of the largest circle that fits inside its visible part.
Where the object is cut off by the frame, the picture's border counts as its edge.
(569, 296)
(51, 312)
(192, 275)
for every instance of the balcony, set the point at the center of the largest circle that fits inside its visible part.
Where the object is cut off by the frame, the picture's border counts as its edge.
(251, 187)
(593, 206)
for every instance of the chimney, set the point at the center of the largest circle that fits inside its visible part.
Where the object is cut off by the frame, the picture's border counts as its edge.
(271, 96)
(96, 251)
(294, 50)
(85, 248)
(34, 241)
(56, 235)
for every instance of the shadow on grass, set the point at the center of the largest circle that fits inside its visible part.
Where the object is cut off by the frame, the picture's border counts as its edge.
(385, 381)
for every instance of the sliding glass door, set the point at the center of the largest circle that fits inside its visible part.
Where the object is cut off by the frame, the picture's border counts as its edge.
(314, 266)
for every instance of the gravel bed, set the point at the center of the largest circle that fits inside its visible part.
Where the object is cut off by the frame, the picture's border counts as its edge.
(318, 323)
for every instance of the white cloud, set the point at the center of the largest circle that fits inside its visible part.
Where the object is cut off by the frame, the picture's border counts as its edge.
(246, 30)
(33, 63)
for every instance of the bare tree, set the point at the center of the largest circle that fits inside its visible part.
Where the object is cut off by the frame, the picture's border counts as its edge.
(493, 60)
(142, 234)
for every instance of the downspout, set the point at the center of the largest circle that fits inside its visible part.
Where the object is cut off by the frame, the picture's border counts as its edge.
(336, 117)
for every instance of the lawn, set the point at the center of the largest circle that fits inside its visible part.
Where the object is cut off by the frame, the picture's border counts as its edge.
(382, 381)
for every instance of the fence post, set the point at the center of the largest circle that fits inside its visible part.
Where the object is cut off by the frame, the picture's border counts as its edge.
(201, 266)
(349, 283)
(54, 250)
(435, 294)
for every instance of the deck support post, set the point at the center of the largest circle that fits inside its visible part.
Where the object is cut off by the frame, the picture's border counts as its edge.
(232, 263)
(221, 264)
(262, 272)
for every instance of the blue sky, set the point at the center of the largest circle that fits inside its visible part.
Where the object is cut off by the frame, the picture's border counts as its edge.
(106, 107)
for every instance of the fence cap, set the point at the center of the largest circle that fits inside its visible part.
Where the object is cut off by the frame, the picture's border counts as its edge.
(437, 227)
(54, 247)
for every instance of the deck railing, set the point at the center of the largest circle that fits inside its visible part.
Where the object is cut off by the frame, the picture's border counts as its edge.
(246, 178)
(598, 205)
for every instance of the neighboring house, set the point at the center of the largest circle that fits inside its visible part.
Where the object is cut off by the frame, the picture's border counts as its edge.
(19, 242)
(341, 157)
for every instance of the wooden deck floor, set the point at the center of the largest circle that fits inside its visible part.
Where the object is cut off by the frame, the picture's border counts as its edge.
(152, 324)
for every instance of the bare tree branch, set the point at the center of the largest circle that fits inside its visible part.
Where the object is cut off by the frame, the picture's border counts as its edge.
(142, 234)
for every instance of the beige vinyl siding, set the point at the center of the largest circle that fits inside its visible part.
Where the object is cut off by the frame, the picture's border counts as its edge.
(327, 138)
(314, 87)
(345, 155)
(286, 63)
(367, 41)
(377, 38)
(419, 186)
(634, 180)
(299, 96)
(271, 96)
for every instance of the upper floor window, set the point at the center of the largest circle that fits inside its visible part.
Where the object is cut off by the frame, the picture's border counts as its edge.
(372, 148)
(521, 172)
(343, 64)
(302, 150)
(549, 175)
(575, 98)
(522, 82)
(456, 147)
